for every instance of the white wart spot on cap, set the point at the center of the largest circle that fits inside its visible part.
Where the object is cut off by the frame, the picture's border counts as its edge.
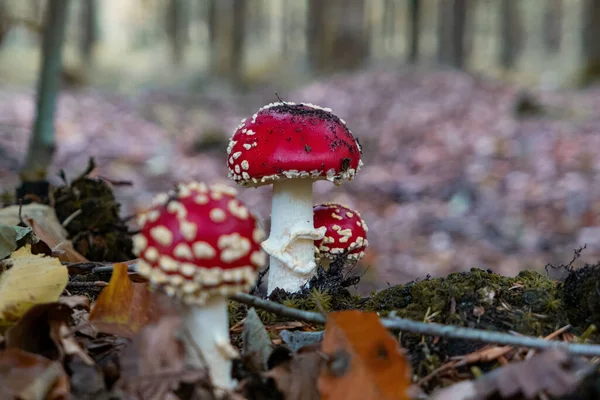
(217, 215)
(258, 235)
(182, 250)
(151, 254)
(152, 215)
(160, 199)
(203, 250)
(139, 243)
(258, 259)
(162, 235)
(237, 209)
(168, 264)
(201, 199)
(176, 207)
(187, 269)
(233, 247)
(188, 230)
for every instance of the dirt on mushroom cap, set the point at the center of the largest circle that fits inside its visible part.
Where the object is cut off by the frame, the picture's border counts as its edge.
(288, 140)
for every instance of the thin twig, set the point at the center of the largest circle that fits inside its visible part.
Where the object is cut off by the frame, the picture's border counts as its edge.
(87, 284)
(433, 329)
(71, 217)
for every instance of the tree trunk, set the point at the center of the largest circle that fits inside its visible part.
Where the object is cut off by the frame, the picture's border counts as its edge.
(590, 42)
(552, 25)
(451, 32)
(42, 141)
(510, 33)
(414, 30)
(237, 36)
(177, 29)
(338, 37)
(89, 30)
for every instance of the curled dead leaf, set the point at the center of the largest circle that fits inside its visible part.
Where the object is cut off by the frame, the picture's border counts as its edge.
(124, 307)
(552, 372)
(29, 376)
(363, 360)
(296, 378)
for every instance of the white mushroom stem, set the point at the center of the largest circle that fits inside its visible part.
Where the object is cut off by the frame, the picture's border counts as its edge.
(207, 332)
(291, 241)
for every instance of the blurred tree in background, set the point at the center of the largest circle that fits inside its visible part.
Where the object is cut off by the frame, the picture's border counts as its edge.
(42, 142)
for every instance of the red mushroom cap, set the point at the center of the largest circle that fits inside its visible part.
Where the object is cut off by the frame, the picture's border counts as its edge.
(289, 140)
(199, 240)
(346, 233)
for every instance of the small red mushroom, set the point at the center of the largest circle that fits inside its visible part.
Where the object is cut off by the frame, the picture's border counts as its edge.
(291, 146)
(345, 236)
(201, 244)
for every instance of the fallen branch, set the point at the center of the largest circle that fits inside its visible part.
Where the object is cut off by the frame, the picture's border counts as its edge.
(432, 329)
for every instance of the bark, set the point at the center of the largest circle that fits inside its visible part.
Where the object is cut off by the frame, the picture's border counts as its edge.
(590, 42)
(414, 30)
(177, 29)
(89, 29)
(227, 20)
(451, 32)
(510, 33)
(42, 141)
(338, 37)
(552, 25)
(237, 36)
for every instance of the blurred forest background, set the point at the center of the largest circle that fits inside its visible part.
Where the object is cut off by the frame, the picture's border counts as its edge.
(133, 44)
(479, 118)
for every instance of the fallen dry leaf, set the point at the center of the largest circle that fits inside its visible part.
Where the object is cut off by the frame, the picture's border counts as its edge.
(152, 366)
(31, 279)
(54, 238)
(29, 376)
(297, 377)
(37, 331)
(124, 307)
(552, 372)
(43, 215)
(364, 361)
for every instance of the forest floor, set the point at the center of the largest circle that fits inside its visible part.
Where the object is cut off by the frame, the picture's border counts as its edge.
(461, 174)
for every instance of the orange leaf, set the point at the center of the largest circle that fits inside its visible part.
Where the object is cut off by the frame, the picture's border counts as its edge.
(364, 361)
(124, 307)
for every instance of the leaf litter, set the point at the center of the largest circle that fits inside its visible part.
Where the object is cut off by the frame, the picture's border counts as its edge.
(114, 355)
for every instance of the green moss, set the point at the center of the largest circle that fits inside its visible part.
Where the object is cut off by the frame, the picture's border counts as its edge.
(581, 296)
(477, 298)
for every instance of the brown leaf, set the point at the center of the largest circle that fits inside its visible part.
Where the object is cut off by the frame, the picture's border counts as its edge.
(29, 376)
(297, 378)
(364, 361)
(38, 330)
(61, 247)
(152, 366)
(124, 307)
(552, 372)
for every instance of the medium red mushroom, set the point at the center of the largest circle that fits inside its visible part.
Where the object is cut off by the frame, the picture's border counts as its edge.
(345, 236)
(201, 244)
(291, 146)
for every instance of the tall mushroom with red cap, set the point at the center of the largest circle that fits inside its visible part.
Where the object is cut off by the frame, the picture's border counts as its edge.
(291, 146)
(201, 244)
(345, 236)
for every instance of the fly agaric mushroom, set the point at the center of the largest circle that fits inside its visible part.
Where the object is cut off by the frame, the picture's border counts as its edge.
(291, 146)
(201, 244)
(345, 236)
